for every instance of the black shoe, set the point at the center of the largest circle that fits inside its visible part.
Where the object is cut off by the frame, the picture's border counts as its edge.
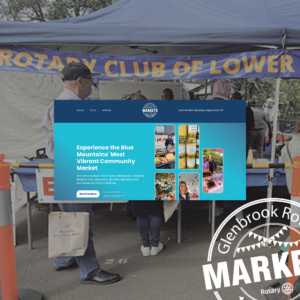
(102, 277)
(72, 265)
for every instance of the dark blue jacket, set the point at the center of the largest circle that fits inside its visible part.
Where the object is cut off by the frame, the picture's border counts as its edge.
(212, 166)
(187, 196)
(169, 142)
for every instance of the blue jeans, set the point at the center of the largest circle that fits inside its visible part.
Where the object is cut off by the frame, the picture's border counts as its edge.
(150, 225)
(88, 263)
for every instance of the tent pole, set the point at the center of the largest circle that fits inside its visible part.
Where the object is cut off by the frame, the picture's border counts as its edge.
(278, 80)
(271, 175)
(246, 86)
(205, 89)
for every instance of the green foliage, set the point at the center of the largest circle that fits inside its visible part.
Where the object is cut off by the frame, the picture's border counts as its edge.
(23, 10)
(217, 157)
(61, 9)
(259, 89)
(45, 10)
(289, 99)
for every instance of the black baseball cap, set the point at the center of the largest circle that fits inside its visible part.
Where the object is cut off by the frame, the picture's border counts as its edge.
(75, 70)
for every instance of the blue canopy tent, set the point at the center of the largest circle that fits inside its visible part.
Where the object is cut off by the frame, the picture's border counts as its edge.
(168, 28)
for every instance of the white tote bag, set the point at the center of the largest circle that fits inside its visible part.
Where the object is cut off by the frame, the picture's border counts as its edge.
(169, 208)
(68, 233)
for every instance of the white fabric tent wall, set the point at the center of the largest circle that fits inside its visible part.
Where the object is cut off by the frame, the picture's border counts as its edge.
(23, 102)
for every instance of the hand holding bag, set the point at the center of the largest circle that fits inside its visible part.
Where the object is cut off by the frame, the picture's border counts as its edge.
(68, 233)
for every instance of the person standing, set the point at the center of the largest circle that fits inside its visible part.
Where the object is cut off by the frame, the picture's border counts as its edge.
(183, 191)
(236, 96)
(250, 123)
(212, 164)
(169, 141)
(289, 152)
(149, 217)
(258, 133)
(269, 109)
(205, 164)
(78, 81)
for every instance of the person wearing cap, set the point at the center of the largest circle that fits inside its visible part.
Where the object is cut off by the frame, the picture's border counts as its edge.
(78, 81)
(167, 94)
(258, 133)
(205, 164)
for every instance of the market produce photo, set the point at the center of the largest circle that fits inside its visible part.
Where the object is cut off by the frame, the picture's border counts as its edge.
(165, 147)
(212, 165)
(188, 188)
(188, 148)
(164, 186)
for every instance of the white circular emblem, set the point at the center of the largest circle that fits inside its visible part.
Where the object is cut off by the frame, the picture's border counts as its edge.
(287, 288)
(150, 110)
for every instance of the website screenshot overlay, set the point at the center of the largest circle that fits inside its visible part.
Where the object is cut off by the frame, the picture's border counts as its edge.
(149, 150)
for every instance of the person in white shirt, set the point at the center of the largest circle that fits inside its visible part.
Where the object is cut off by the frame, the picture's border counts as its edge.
(269, 109)
(78, 83)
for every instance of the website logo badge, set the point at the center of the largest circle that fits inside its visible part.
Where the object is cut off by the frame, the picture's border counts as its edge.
(150, 110)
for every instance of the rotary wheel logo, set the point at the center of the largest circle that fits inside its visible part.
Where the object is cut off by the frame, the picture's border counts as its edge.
(257, 256)
(287, 288)
(150, 110)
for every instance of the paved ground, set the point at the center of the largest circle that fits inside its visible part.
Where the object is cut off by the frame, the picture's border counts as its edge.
(176, 273)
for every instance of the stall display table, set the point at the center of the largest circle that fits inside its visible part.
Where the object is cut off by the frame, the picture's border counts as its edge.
(288, 134)
(167, 165)
(28, 181)
(218, 188)
(29, 184)
(259, 177)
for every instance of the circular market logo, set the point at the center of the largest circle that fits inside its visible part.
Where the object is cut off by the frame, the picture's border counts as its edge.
(150, 110)
(258, 256)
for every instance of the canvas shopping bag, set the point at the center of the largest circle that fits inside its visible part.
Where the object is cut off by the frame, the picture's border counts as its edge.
(169, 208)
(68, 233)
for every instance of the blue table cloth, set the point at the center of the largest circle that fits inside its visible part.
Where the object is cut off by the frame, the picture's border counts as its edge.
(27, 175)
(258, 177)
